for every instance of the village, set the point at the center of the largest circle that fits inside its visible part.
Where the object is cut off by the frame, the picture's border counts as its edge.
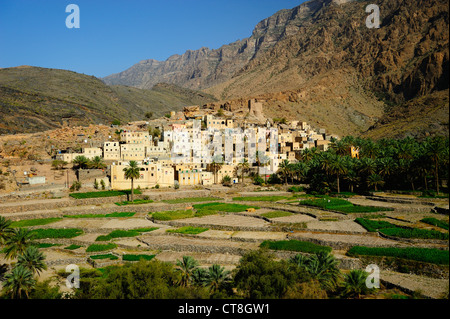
(180, 148)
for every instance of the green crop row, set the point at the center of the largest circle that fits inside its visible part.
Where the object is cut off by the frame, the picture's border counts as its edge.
(429, 255)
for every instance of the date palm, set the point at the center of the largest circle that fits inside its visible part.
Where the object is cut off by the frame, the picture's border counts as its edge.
(323, 266)
(81, 162)
(5, 229)
(216, 165)
(19, 283)
(243, 166)
(33, 260)
(186, 267)
(18, 242)
(132, 172)
(284, 170)
(375, 181)
(216, 278)
(338, 167)
(97, 162)
(355, 283)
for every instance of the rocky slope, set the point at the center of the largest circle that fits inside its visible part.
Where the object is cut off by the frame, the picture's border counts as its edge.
(37, 99)
(335, 70)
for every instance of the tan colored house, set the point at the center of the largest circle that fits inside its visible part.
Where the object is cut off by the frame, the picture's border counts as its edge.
(152, 174)
(111, 151)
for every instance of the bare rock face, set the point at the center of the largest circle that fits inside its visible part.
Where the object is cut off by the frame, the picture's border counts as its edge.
(328, 66)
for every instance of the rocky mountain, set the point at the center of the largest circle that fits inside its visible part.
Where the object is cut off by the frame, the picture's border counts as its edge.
(320, 63)
(36, 99)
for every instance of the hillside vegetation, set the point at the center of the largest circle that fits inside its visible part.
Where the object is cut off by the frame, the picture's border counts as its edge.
(35, 99)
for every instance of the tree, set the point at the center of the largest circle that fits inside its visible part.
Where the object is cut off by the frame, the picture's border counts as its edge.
(338, 168)
(18, 242)
(259, 276)
(226, 180)
(59, 164)
(5, 230)
(323, 267)
(97, 163)
(375, 181)
(19, 283)
(132, 172)
(262, 160)
(217, 278)
(148, 115)
(33, 260)
(186, 267)
(436, 151)
(243, 166)
(355, 283)
(81, 162)
(284, 170)
(216, 166)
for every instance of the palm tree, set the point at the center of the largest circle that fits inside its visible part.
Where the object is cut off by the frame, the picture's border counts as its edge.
(216, 166)
(132, 172)
(353, 179)
(19, 283)
(5, 229)
(323, 266)
(216, 278)
(33, 260)
(340, 147)
(18, 242)
(355, 283)
(301, 170)
(199, 276)
(375, 180)
(243, 166)
(338, 168)
(186, 266)
(262, 160)
(284, 170)
(97, 162)
(435, 150)
(81, 162)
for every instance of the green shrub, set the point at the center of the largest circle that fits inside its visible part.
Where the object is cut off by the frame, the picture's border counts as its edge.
(34, 222)
(435, 222)
(128, 257)
(414, 233)
(106, 256)
(98, 247)
(73, 247)
(188, 230)
(223, 207)
(295, 189)
(112, 215)
(57, 233)
(173, 215)
(295, 245)
(401, 232)
(260, 198)
(124, 233)
(429, 255)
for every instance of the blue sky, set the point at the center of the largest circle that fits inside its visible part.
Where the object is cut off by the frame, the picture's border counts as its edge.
(116, 34)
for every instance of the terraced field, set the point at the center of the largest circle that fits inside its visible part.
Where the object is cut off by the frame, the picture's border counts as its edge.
(230, 232)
